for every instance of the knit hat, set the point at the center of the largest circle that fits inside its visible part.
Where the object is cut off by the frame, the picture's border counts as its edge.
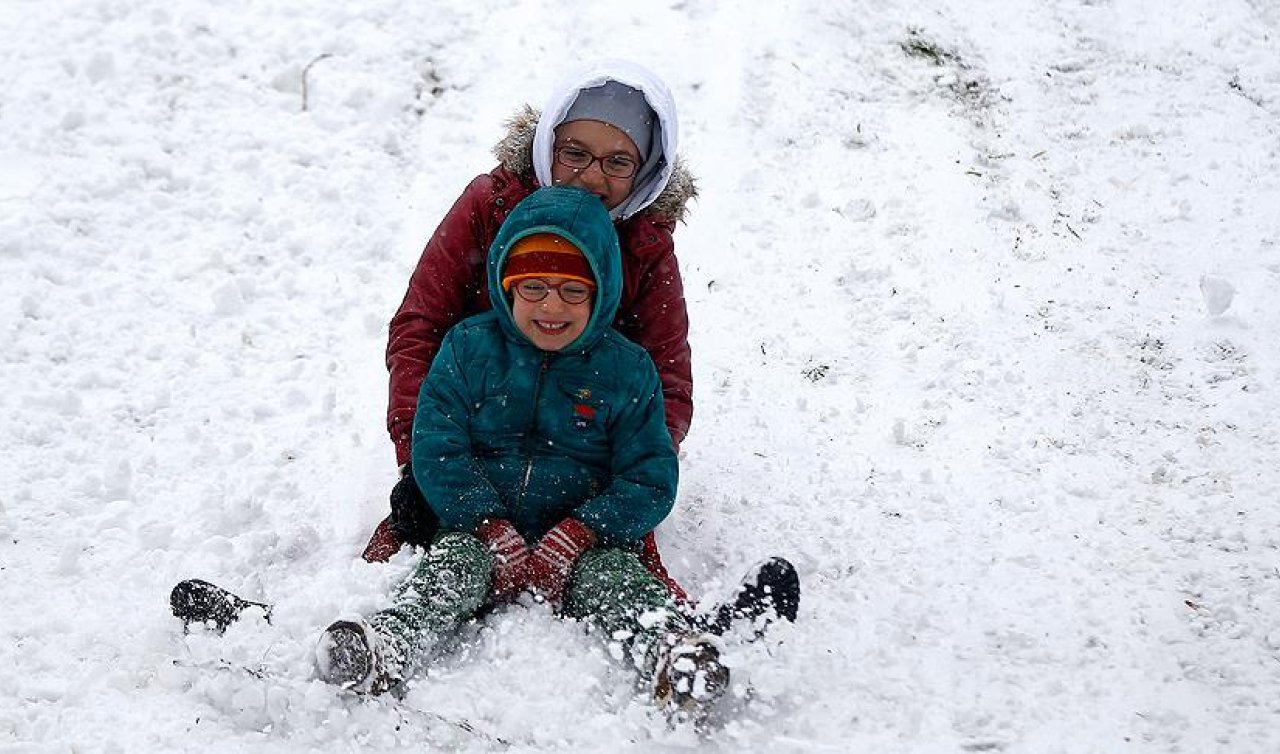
(545, 254)
(622, 107)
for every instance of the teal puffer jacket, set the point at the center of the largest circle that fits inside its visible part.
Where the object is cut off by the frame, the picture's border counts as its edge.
(506, 430)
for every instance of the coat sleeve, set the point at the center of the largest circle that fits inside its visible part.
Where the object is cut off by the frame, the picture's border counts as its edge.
(444, 465)
(644, 470)
(445, 284)
(655, 317)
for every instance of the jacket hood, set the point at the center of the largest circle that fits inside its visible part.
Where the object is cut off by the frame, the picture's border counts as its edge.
(657, 173)
(515, 153)
(578, 217)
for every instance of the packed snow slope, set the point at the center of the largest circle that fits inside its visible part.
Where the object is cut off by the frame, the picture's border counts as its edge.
(984, 313)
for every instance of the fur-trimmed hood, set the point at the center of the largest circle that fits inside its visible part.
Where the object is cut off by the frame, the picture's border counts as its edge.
(515, 153)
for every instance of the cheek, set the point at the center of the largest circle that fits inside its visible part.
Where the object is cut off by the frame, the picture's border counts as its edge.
(620, 188)
(520, 309)
(561, 174)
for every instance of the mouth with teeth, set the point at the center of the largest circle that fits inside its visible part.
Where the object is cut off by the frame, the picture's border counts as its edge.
(550, 328)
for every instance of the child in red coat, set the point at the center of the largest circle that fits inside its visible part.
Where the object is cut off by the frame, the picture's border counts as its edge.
(609, 128)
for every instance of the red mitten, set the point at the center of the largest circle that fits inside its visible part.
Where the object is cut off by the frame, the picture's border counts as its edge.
(383, 544)
(510, 556)
(554, 555)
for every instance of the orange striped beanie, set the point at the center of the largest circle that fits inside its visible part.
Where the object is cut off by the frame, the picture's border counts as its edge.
(545, 255)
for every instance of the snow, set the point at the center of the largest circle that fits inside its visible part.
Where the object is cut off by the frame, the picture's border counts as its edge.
(983, 338)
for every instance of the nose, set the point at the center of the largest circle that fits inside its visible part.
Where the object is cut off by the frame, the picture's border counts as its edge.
(592, 176)
(553, 302)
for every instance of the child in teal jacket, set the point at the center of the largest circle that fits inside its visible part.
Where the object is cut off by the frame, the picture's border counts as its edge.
(540, 444)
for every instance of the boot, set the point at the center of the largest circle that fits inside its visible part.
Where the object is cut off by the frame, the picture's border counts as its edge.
(689, 678)
(770, 591)
(197, 601)
(348, 655)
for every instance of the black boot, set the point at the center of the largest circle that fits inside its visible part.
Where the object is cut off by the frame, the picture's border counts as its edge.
(196, 601)
(770, 591)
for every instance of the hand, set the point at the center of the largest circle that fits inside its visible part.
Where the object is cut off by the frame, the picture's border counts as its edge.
(554, 555)
(411, 517)
(510, 556)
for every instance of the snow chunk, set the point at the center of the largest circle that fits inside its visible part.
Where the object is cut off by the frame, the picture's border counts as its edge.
(1218, 293)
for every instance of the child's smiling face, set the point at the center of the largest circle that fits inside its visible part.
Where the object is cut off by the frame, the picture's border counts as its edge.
(601, 140)
(550, 324)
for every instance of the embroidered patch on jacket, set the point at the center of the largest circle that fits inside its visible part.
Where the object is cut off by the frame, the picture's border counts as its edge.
(583, 415)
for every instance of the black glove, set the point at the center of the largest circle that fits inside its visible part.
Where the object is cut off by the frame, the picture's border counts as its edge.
(411, 518)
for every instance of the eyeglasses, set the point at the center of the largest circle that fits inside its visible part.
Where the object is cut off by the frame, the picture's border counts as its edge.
(614, 165)
(570, 291)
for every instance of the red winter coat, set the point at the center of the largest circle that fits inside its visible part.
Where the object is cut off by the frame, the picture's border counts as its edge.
(449, 285)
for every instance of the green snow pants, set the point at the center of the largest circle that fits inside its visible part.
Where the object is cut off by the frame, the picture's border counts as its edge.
(613, 591)
(447, 587)
(609, 588)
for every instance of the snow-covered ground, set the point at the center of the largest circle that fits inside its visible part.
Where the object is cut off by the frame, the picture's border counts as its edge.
(984, 334)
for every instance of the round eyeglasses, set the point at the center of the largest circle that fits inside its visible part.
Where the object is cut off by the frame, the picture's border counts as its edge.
(570, 291)
(613, 165)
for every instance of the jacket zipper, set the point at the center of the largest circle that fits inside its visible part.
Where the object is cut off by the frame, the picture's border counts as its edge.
(528, 437)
